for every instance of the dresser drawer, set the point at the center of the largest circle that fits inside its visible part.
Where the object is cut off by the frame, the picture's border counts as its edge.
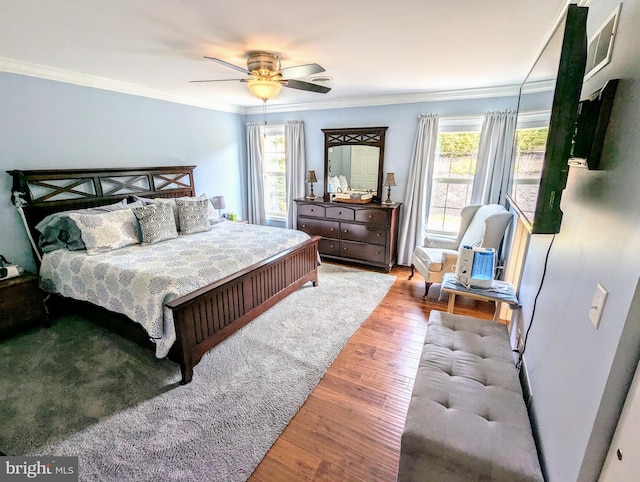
(311, 210)
(352, 232)
(372, 216)
(329, 246)
(319, 227)
(341, 212)
(363, 233)
(362, 251)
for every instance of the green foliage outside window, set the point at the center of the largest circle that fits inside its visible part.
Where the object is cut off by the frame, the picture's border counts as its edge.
(464, 165)
(456, 144)
(531, 140)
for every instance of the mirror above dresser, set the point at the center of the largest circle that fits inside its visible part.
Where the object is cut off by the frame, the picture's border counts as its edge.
(354, 160)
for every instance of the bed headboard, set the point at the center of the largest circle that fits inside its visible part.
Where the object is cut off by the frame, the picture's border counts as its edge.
(45, 192)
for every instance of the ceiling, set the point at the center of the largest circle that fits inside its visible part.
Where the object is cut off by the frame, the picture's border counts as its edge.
(375, 52)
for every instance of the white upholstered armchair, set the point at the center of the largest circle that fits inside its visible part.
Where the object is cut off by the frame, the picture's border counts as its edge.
(481, 226)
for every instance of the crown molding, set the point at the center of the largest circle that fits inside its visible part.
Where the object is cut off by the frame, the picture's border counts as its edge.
(75, 78)
(412, 98)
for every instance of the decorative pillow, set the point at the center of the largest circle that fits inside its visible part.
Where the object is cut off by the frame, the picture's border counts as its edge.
(193, 215)
(156, 223)
(212, 214)
(171, 202)
(57, 231)
(105, 232)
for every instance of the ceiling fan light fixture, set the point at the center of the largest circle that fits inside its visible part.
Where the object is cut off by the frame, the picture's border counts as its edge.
(264, 89)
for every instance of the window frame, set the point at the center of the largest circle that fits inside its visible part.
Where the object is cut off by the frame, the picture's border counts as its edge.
(451, 125)
(266, 131)
(527, 120)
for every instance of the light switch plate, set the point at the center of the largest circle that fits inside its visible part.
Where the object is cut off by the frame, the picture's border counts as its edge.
(597, 305)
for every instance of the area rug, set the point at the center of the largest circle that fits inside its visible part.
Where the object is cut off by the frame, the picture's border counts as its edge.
(77, 389)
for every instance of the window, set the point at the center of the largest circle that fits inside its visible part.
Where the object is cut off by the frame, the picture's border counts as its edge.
(530, 147)
(274, 171)
(453, 173)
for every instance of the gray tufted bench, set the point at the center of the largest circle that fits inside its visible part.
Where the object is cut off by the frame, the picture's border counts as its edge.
(467, 420)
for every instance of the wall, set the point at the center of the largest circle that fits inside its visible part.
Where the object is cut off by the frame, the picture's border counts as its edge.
(402, 120)
(579, 375)
(46, 124)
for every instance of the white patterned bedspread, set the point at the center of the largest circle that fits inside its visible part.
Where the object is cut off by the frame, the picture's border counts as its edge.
(138, 280)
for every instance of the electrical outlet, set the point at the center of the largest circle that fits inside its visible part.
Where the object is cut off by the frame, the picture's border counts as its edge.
(597, 305)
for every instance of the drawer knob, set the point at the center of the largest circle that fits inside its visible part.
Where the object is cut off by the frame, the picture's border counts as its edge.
(331, 246)
(345, 249)
(378, 234)
(304, 225)
(339, 213)
(311, 210)
(370, 216)
(333, 229)
(346, 231)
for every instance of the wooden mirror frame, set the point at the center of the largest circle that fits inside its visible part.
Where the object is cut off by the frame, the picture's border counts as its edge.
(358, 136)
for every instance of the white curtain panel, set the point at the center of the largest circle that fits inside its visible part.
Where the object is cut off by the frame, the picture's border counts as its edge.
(493, 168)
(255, 188)
(418, 194)
(295, 163)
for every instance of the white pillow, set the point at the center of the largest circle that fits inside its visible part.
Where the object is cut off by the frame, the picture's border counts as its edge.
(334, 184)
(344, 185)
(156, 222)
(212, 213)
(108, 231)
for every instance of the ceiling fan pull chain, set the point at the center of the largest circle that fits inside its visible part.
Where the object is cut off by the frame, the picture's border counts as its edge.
(264, 111)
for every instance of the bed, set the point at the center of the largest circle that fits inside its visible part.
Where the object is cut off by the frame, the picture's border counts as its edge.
(205, 303)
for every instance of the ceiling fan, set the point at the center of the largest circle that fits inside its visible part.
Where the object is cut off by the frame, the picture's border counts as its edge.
(266, 78)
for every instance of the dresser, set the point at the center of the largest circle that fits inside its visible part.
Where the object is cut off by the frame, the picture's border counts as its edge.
(358, 233)
(21, 304)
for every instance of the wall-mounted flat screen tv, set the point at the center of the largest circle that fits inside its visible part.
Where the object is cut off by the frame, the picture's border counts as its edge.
(544, 133)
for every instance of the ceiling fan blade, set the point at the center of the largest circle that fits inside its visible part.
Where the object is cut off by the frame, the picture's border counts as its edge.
(302, 85)
(219, 80)
(301, 71)
(227, 64)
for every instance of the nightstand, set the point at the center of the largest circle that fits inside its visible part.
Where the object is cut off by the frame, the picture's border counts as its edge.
(21, 304)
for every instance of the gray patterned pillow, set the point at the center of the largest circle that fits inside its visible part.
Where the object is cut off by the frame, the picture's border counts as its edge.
(156, 223)
(105, 232)
(171, 202)
(193, 214)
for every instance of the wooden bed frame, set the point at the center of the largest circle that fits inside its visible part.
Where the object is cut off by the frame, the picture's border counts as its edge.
(204, 317)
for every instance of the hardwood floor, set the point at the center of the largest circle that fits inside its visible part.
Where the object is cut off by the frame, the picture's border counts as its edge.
(350, 426)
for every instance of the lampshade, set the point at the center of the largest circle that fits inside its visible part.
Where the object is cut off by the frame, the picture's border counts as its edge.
(218, 202)
(264, 89)
(311, 176)
(389, 180)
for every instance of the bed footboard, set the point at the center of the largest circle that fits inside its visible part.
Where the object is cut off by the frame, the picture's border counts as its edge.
(209, 315)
